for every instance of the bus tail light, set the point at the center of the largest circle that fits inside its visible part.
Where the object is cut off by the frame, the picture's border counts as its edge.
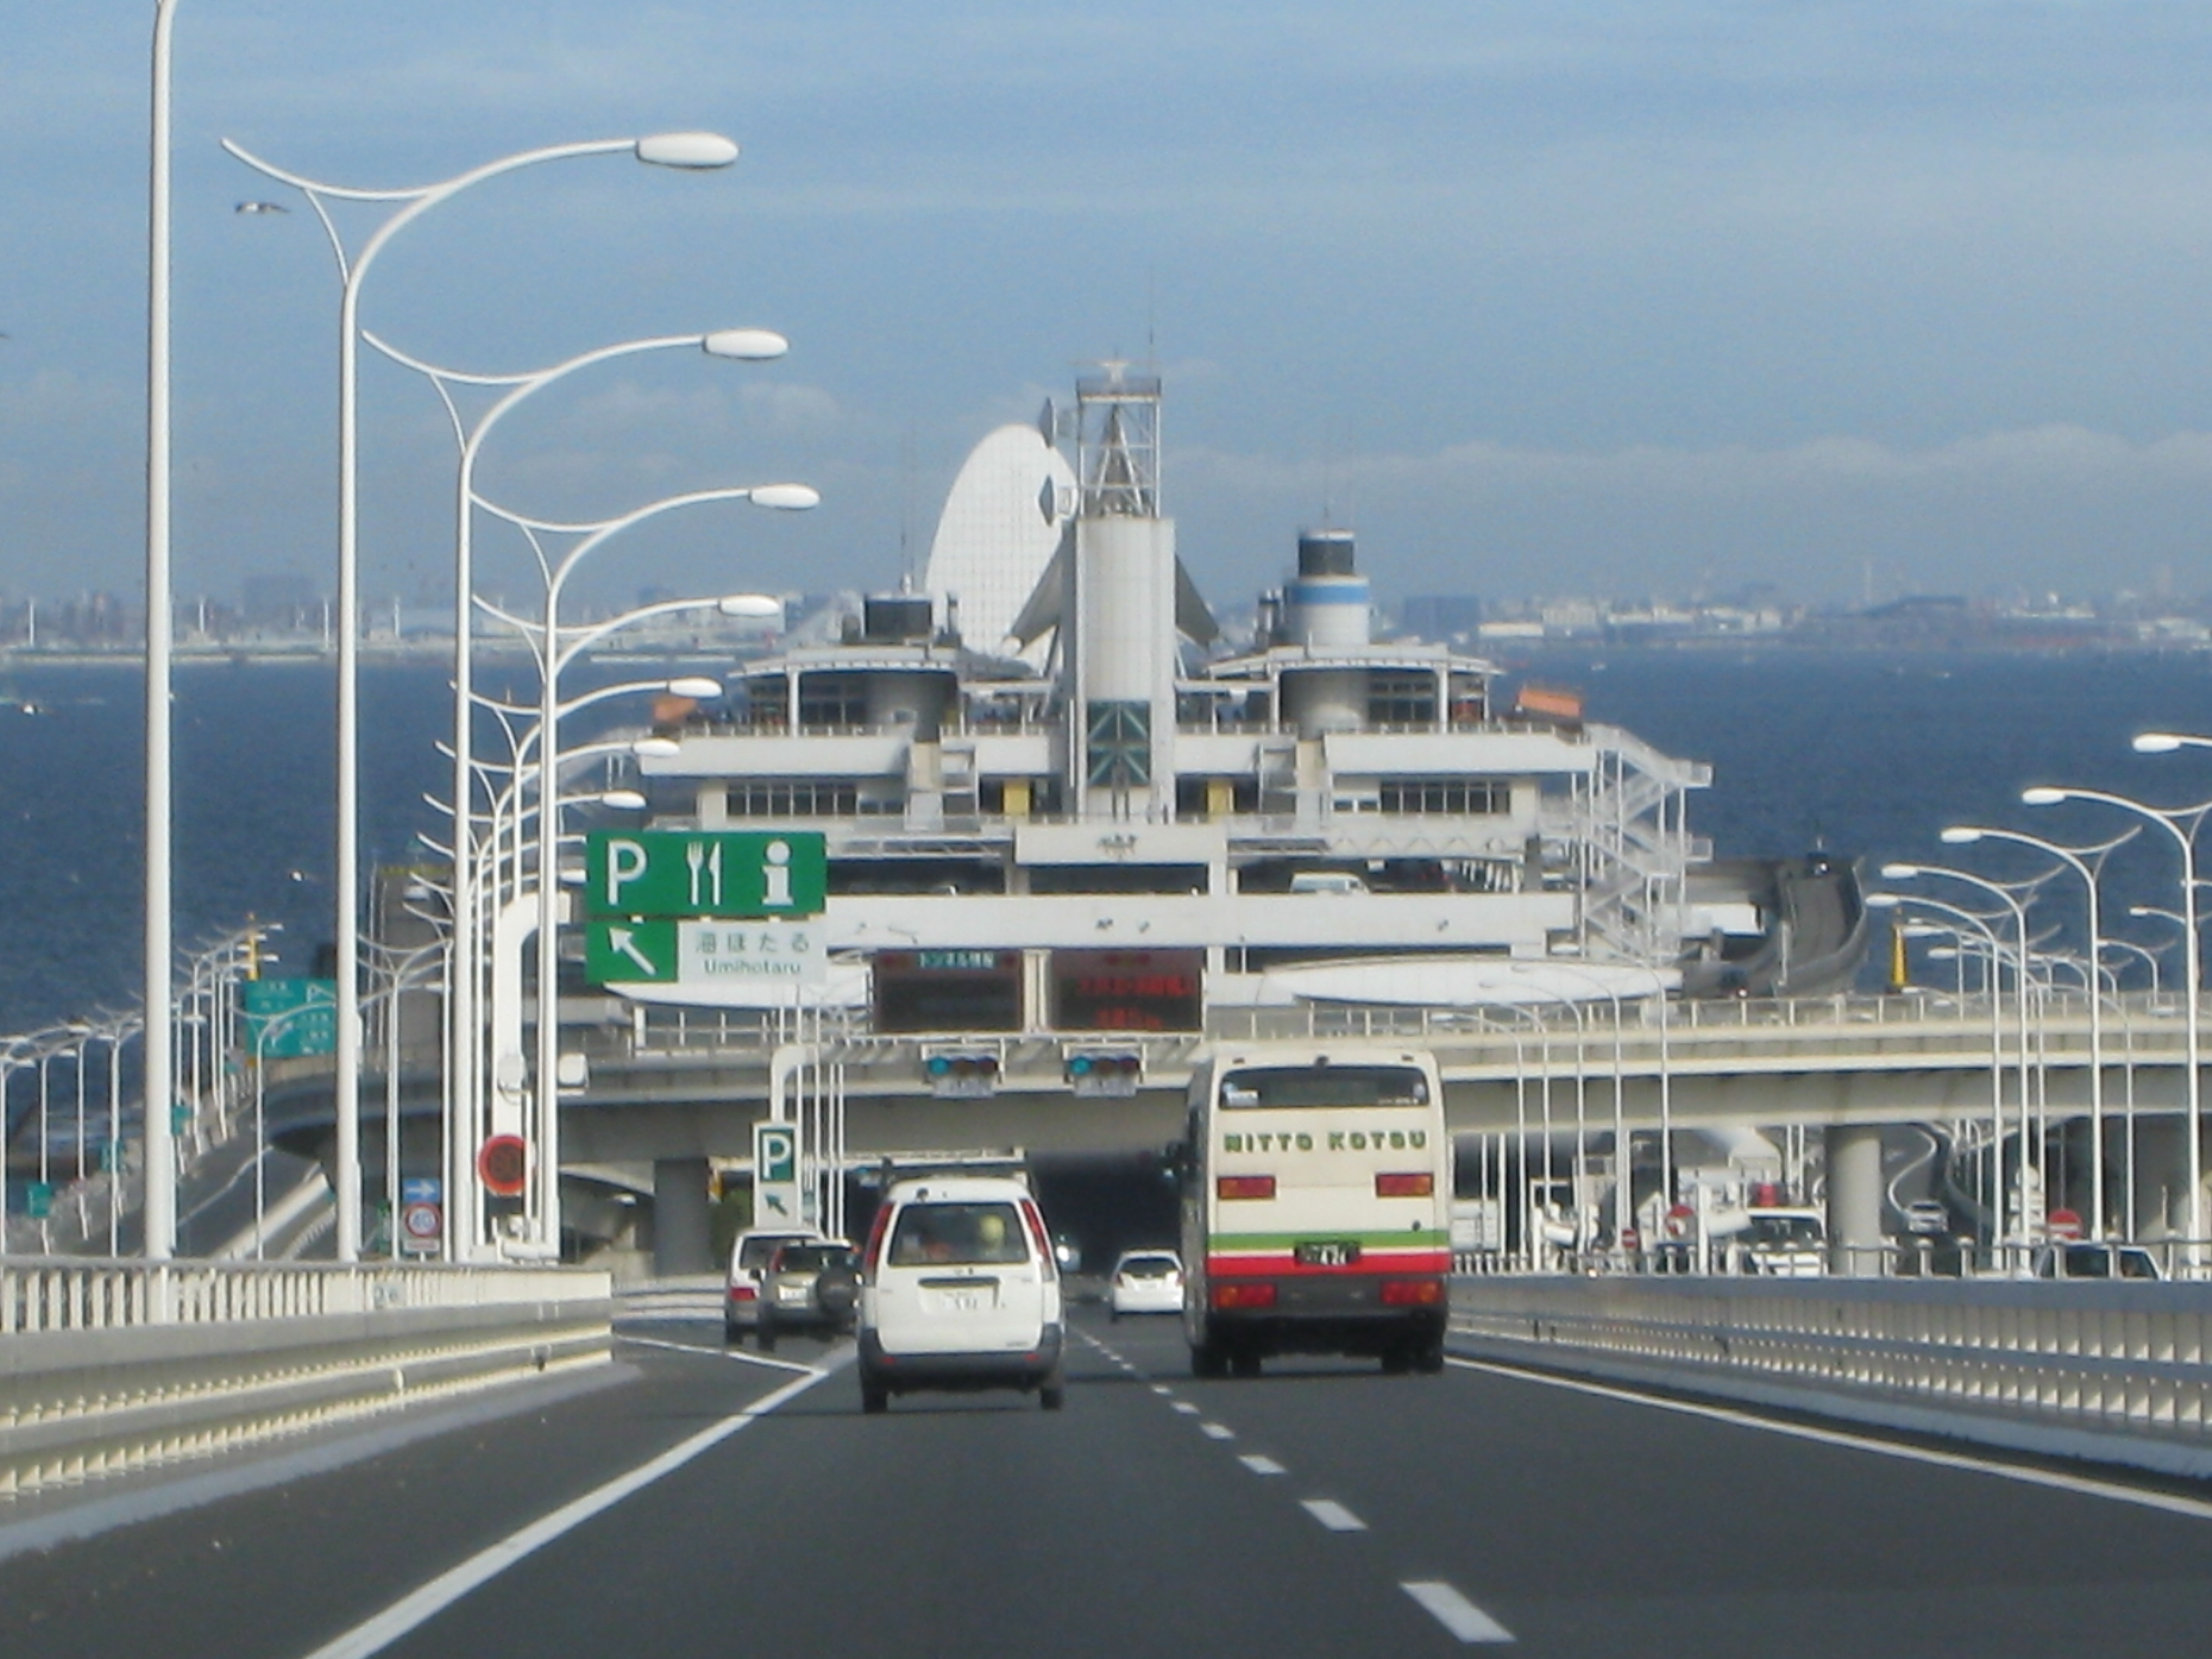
(1423, 1185)
(1413, 1292)
(1244, 1186)
(1243, 1293)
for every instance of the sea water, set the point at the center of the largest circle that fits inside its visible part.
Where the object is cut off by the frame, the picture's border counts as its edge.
(1855, 754)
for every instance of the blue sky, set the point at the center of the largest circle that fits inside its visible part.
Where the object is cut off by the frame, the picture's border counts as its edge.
(1541, 297)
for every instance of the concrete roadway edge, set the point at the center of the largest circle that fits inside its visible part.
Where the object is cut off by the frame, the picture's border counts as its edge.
(87, 1511)
(2148, 1453)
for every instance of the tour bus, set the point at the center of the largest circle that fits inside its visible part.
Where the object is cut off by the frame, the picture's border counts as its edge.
(1316, 1207)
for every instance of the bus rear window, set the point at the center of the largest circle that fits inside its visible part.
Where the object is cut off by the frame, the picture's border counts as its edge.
(1275, 1086)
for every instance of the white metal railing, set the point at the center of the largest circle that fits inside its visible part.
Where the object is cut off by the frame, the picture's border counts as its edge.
(2135, 1358)
(47, 1294)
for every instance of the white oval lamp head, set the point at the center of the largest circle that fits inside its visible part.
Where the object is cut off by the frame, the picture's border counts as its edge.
(656, 748)
(703, 686)
(2156, 742)
(747, 345)
(2042, 795)
(786, 497)
(623, 800)
(696, 152)
(758, 607)
(1960, 834)
(1899, 872)
(1884, 901)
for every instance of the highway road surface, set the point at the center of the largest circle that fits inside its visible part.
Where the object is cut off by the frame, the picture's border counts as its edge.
(688, 1501)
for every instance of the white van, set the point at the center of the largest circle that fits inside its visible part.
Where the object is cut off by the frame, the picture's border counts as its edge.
(959, 1290)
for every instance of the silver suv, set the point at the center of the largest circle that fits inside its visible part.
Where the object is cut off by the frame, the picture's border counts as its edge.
(748, 1258)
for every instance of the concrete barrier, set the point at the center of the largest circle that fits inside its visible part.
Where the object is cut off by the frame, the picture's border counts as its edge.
(2117, 1372)
(111, 1366)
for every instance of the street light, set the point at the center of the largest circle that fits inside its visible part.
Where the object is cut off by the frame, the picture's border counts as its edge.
(555, 654)
(685, 151)
(2020, 1000)
(465, 1038)
(2077, 859)
(161, 1216)
(2181, 823)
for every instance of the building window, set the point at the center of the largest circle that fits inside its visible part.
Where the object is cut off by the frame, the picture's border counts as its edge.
(1401, 699)
(833, 700)
(1447, 797)
(776, 798)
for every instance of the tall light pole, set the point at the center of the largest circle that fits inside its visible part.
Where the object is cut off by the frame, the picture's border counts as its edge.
(2020, 994)
(557, 649)
(160, 1163)
(2078, 859)
(1995, 954)
(2181, 823)
(691, 151)
(465, 1035)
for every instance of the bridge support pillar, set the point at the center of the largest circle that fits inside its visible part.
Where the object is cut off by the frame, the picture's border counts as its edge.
(682, 1227)
(1854, 1199)
(2162, 1176)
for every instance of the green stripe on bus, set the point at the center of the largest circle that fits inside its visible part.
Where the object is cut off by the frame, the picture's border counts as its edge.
(1412, 1239)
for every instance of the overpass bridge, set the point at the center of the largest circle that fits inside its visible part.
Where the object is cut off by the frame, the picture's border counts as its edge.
(670, 1090)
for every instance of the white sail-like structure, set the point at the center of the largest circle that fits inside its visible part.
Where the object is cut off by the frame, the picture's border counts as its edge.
(994, 537)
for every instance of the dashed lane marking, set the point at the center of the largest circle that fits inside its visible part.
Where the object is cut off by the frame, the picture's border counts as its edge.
(1217, 1431)
(1332, 1514)
(1186, 1408)
(1457, 1614)
(2172, 1504)
(1163, 1391)
(1259, 1463)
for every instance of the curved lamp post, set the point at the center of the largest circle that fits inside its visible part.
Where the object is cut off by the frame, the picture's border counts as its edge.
(2085, 862)
(557, 648)
(687, 151)
(465, 1038)
(2181, 823)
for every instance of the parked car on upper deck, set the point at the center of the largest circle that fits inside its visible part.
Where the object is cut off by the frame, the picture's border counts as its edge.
(2090, 1259)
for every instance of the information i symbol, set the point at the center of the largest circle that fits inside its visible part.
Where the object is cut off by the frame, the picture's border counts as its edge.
(775, 877)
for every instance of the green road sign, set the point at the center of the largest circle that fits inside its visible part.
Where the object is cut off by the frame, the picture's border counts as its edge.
(776, 1174)
(288, 1017)
(761, 952)
(680, 873)
(630, 953)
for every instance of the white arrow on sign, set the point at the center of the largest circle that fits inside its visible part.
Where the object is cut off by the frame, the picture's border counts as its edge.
(624, 940)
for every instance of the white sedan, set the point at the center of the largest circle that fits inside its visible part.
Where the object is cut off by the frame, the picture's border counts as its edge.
(1146, 1281)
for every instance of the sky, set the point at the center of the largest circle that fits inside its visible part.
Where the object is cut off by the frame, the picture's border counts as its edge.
(1540, 296)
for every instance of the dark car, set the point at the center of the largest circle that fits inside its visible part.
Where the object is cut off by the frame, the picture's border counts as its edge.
(808, 1287)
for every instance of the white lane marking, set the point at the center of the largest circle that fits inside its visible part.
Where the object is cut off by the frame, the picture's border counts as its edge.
(419, 1606)
(1454, 1612)
(1186, 1408)
(1162, 1390)
(1217, 1431)
(1333, 1515)
(723, 1353)
(1260, 1464)
(2194, 1509)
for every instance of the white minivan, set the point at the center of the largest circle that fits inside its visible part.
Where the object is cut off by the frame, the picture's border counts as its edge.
(959, 1290)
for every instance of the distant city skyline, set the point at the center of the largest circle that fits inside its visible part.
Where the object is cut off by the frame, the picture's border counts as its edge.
(1569, 297)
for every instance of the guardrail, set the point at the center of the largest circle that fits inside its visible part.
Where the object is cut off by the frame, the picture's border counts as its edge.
(107, 1366)
(2120, 1372)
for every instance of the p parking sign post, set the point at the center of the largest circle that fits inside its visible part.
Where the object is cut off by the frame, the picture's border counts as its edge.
(776, 1174)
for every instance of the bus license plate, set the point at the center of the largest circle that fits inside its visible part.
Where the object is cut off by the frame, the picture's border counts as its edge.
(1328, 1252)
